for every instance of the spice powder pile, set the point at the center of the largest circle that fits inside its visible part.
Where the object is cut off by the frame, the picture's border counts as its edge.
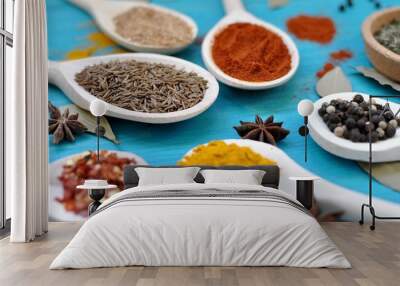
(97, 41)
(149, 27)
(141, 86)
(312, 28)
(219, 153)
(250, 52)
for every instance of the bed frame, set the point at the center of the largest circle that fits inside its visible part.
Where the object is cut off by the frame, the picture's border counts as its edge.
(271, 178)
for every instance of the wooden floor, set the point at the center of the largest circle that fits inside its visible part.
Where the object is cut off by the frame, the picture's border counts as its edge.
(375, 257)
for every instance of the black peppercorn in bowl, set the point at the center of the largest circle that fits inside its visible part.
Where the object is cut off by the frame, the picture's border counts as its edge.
(382, 58)
(340, 124)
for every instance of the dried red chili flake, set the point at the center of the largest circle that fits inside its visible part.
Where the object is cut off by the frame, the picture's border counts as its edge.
(341, 55)
(334, 59)
(109, 167)
(327, 67)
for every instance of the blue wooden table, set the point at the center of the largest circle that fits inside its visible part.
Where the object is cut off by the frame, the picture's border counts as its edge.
(68, 28)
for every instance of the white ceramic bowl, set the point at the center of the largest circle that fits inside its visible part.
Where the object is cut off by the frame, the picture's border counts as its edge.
(57, 211)
(383, 151)
(62, 74)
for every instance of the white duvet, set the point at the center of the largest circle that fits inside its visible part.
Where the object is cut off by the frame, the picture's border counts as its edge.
(200, 231)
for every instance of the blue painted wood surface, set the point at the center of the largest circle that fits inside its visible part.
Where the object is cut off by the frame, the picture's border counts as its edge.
(68, 28)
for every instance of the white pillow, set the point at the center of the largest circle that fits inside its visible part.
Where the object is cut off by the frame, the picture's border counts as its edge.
(166, 176)
(246, 177)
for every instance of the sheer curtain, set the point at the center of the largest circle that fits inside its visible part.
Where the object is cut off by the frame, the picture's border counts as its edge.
(26, 124)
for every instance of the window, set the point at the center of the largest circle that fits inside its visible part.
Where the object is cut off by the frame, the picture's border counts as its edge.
(6, 42)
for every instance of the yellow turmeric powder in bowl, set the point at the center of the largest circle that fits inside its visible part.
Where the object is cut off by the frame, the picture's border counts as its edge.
(219, 153)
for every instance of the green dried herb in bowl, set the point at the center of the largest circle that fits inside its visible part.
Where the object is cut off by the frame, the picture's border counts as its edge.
(389, 36)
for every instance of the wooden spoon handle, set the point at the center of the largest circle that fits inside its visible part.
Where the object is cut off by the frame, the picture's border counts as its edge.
(233, 5)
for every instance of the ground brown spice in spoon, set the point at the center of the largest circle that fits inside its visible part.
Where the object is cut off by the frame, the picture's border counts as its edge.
(146, 26)
(251, 52)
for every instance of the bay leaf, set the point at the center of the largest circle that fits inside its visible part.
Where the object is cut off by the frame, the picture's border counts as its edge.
(374, 74)
(387, 173)
(333, 81)
(87, 119)
(273, 4)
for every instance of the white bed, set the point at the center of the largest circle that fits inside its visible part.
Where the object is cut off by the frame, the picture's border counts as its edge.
(185, 230)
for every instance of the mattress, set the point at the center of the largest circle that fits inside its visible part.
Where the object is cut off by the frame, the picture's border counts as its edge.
(201, 225)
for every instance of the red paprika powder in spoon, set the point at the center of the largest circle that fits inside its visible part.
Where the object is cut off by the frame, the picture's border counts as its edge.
(250, 52)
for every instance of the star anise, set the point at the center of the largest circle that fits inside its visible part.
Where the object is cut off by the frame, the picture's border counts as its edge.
(266, 131)
(65, 125)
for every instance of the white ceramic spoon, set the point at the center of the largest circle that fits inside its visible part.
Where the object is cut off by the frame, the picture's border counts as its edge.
(62, 74)
(236, 13)
(383, 151)
(104, 12)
